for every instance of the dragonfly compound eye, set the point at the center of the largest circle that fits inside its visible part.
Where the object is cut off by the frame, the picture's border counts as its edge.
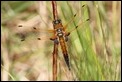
(57, 21)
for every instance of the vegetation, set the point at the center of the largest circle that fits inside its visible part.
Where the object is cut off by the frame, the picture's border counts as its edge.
(94, 47)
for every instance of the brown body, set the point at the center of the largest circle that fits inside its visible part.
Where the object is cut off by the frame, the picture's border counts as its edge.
(63, 45)
(64, 51)
(60, 37)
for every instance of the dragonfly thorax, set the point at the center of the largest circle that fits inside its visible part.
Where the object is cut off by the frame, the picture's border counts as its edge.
(59, 32)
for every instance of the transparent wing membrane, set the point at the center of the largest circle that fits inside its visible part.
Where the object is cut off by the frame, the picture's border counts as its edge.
(80, 24)
(37, 30)
(73, 18)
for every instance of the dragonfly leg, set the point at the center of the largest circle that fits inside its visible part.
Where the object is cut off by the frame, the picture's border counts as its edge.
(55, 40)
(66, 36)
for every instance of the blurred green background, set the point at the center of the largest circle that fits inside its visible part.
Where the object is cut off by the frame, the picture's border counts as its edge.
(94, 48)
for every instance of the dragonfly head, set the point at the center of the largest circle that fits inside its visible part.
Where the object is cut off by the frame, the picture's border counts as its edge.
(57, 21)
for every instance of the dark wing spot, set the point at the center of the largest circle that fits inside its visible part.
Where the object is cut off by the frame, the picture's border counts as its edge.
(20, 26)
(74, 15)
(87, 19)
(34, 27)
(83, 5)
(22, 39)
(51, 39)
(39, 38)
(76, 27)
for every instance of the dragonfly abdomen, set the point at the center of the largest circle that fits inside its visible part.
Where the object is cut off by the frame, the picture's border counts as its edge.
(64, 51)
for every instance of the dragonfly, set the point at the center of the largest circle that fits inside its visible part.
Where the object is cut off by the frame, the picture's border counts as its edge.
(60, 35)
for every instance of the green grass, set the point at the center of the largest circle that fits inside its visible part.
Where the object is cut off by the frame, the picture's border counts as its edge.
(94, 47)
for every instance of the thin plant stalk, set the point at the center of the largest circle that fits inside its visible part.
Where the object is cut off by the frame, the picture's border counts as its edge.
(55, 51)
